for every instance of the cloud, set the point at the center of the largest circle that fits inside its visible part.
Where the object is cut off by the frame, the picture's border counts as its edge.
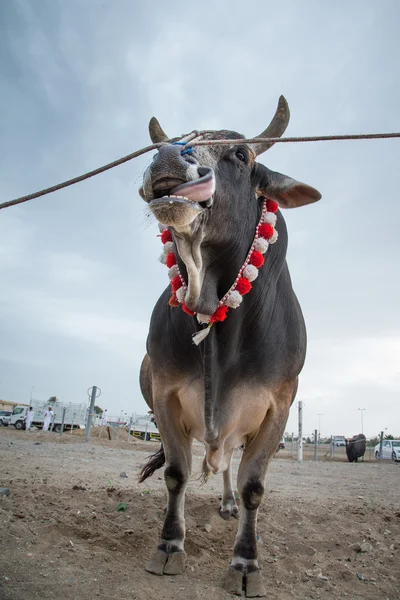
(341, 376)
(78, 269)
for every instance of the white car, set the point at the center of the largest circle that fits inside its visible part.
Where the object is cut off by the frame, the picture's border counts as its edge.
(5, 416)
(339, 440)
(390, 450)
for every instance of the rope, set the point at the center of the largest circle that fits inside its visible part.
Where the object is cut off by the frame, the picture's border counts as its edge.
(316, 138)
(201, 142)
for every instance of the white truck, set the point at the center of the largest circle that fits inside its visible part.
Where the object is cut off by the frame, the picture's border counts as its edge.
(75, 415)
(144, 427)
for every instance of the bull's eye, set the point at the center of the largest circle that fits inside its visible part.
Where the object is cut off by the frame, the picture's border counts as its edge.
(241, 155)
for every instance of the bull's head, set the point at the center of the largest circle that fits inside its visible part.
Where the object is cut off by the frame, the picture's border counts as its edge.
(209, 199)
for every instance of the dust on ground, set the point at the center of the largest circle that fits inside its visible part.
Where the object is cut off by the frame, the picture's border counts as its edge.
(326, 529)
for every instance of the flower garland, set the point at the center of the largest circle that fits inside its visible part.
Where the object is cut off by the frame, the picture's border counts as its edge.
(265, 235)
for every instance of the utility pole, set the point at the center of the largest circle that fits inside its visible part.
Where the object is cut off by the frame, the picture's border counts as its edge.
(315, 444)
(380, 446)
(93, 395)
(300, 438)
(362, 422)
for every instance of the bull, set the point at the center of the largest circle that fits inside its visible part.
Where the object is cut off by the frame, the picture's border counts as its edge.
(221, 210)
(355, 447)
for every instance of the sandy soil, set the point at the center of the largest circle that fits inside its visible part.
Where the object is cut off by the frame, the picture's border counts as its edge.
(66, 543)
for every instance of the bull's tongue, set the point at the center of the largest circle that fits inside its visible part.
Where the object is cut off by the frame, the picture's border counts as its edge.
(198, 190)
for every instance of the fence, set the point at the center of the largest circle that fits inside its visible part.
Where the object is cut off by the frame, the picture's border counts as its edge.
(315, 449)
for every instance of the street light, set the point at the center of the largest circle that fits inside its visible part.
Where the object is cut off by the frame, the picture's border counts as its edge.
(319, 423)
(362, 422)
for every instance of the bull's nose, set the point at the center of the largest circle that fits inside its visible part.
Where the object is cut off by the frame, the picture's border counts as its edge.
(171, 154)
(169, 163)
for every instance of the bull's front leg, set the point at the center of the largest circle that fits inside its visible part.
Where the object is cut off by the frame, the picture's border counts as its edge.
(170, 557)
(244, 571)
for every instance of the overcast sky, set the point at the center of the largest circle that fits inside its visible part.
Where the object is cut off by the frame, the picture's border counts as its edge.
(79, 274)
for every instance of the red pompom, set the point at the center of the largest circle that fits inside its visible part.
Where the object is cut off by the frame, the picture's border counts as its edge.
(173, 301)
(176, 283)
(243, 286)
(265, 230)
(256, 259)
(272, 206)
(187, 310)
(166, 236)
(170, 260)
(220, 314)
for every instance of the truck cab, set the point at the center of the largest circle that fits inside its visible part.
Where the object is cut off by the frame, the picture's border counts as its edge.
(18, 417)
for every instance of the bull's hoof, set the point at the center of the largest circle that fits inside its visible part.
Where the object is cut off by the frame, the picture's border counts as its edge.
(162, 563)
(227, 513)
(233, 581)
(254, 585)
(157, 562)
(229, 509)
(176, 563)
(236, 581)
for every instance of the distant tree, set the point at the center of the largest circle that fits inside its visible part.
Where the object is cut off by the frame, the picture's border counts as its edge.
(52, 400)
(389, 437)
(98, 410)
(373, 441)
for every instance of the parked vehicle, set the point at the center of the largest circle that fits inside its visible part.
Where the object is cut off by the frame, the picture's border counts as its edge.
(282, 444)
(390, 450)
(145, 428)
(75, 415)
(5, 417)
(338, 440)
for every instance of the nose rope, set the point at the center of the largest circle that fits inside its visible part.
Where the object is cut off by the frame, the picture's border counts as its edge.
(186, 150)
(194, 136)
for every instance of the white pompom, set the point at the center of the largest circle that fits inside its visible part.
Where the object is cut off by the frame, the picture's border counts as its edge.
(261, 245)
(180, 294)
(234, 299)
(274, 237)
(270, 218)
(162, 227)
(203, 318)
(173, 272)
(162, 259)
(250, 272)
(168, 247)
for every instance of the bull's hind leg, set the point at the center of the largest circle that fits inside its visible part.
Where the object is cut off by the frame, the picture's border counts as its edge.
(228, 507)
(170, 556)
(244, 571)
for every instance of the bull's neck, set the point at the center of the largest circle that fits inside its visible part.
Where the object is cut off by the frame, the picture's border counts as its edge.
(210, 263)
(211, 260)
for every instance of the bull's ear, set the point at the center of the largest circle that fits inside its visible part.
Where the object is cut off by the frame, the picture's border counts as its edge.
(287, 192)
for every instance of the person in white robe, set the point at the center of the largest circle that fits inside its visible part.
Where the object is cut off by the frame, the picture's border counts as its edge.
(29, 418)
(48, 418)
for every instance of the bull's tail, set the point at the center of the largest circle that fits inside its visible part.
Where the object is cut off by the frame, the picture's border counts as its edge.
(154, 462)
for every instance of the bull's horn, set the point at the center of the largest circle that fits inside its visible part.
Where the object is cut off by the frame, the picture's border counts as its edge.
(276, 128)
(157, 133)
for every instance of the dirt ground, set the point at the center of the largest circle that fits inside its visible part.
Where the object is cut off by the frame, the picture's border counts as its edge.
(326, 529)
